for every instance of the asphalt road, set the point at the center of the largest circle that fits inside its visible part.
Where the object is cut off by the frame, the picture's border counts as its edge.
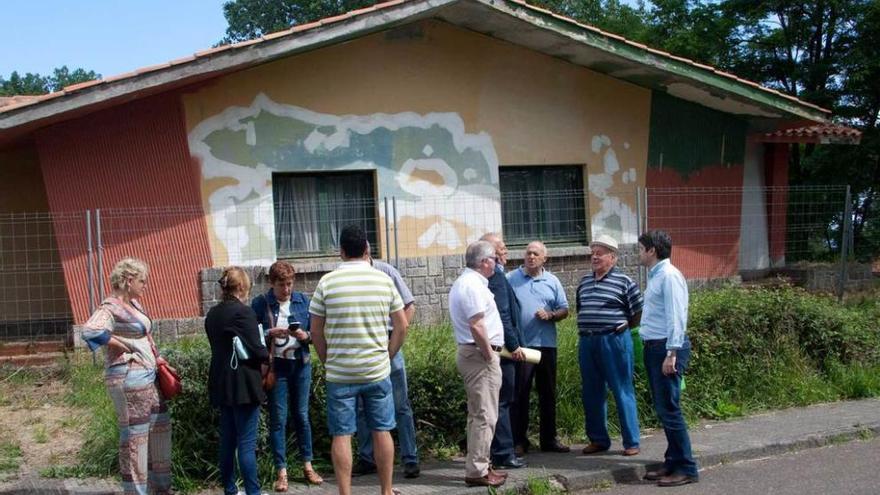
(849, 468)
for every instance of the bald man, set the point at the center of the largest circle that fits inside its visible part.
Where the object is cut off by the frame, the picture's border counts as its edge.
(542, 303)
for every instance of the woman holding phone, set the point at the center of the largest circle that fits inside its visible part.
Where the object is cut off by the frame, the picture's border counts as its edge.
(284, 315)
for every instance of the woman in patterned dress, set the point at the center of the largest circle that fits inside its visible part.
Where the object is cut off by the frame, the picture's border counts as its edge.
(121, 324)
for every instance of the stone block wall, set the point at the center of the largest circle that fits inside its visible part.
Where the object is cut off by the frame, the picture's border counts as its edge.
(429, 277)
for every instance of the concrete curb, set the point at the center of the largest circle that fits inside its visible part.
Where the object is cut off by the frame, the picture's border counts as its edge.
(629, 474)
(715, 443)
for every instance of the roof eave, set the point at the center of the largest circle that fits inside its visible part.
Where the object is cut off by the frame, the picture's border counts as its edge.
(668, 63)
(219, 61)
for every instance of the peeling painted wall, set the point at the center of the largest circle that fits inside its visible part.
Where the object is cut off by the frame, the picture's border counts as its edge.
(434, 110)
(693, 146)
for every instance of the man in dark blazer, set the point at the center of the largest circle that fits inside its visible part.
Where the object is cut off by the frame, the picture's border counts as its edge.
(502, 453)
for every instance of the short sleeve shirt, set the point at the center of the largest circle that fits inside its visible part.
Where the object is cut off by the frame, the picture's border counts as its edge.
(400, 284)
(469, 296)
(604, 304)
(355, 300)
(533, 293)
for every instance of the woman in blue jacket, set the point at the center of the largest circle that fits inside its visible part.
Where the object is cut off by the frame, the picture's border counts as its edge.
(284, 315)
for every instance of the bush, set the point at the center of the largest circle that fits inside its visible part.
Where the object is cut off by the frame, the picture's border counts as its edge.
(753, 349)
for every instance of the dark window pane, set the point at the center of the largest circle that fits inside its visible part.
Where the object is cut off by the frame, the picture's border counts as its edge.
(312, 208)
(543, 203)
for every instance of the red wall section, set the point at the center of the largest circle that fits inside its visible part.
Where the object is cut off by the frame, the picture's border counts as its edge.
(776, 178)
(132, 162)
(704, 223)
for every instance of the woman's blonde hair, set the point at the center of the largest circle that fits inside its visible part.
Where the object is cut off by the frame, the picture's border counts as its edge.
(233, 282)
(125, 268)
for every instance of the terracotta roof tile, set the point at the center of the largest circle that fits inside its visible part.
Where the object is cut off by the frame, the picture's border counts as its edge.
(182, 60)
(15, 100)
(152, 68)
(242, 44)
(337, 18)
(84, 84)
(305, 27)
(211, 51)
(277, 34)
(119, 77)
(817, 130)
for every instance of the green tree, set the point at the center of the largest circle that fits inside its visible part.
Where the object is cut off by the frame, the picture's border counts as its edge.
(35, 84)
(29, 84)
(63, 77)
(250, 19)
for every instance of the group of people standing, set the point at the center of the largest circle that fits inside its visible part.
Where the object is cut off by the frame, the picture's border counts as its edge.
(357, 320)
(495, 315)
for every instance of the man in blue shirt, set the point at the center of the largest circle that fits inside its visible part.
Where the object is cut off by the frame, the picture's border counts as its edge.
(503, 453)
(667, 352)
(542, 303)
(608, 305)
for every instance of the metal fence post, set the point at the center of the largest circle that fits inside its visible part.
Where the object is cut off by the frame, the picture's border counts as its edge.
(846, 226)
(638, 233)
(396, 253)
(89, 264)
(387, 232)
(100, 281)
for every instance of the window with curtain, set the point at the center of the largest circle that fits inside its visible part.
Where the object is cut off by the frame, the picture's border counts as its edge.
(545, 203)
(311, 210)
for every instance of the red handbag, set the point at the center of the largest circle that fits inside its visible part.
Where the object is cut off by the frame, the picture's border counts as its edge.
(169, 381)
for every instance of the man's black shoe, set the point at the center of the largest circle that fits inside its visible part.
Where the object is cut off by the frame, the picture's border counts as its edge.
(556, 446)
(363, 467)
(411, 470)
(512, 463)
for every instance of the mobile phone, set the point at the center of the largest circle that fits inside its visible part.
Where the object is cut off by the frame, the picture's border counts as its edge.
(294, 326)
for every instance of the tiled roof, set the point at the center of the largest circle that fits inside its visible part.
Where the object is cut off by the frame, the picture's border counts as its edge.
(302, 28)
(19, 100)
(817, 131)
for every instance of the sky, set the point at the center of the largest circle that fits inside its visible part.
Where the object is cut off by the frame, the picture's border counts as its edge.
(107, 36)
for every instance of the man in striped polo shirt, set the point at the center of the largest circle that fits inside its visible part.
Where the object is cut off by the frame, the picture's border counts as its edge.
(349, 311)
(608, 304)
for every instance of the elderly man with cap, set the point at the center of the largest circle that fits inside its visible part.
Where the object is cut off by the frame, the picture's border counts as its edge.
(608, 305)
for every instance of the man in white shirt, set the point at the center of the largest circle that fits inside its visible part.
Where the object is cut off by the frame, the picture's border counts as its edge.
(480, 335)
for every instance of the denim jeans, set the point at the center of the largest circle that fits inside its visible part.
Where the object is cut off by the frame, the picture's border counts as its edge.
(607, 361)
(403, 414)
(238, 431)
(502, 443)
(666, 392)
(293, 383)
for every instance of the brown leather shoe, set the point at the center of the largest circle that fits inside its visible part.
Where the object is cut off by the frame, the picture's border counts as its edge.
(490, 479)
(676, 479)
(501, 474)
(631, 451)
(594, 448)
(656, 474)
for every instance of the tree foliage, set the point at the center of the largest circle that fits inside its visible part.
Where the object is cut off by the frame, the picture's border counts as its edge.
(35, 84)
(250, 19)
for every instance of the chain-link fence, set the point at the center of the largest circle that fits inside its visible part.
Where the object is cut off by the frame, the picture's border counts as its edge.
(54, 267)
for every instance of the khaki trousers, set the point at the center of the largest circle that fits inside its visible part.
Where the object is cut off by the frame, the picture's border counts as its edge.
(482, 382)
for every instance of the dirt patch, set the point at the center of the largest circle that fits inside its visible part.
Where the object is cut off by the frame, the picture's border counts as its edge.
(35, 418)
